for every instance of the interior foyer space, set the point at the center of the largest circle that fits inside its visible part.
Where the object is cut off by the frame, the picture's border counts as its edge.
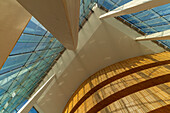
(85, 56)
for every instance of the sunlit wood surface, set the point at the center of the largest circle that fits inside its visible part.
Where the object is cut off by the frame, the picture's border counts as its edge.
(145, 100)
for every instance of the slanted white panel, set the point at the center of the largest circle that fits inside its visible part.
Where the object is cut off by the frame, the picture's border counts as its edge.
(13, 19)
(60, 17)
(165, 35)
(134, 6)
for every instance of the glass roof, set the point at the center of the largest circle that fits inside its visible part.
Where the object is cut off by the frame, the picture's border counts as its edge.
(32, 110)
(85, 9)
(148, 21)
(36, 50)
(27, 64)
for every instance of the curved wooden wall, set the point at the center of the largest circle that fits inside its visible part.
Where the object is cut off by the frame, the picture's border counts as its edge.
(164, 109)
(139, 84)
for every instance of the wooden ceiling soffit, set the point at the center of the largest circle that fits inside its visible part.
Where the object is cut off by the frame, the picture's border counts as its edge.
(60, 17)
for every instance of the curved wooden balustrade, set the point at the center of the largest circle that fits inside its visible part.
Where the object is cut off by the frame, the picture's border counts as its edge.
(130, 72)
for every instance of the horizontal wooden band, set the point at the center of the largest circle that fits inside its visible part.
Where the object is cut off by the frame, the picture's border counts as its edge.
(129, 90)
(164, 109)
(116, 77)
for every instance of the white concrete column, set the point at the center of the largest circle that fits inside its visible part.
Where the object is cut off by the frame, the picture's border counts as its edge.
(60, 17)
(13, 20)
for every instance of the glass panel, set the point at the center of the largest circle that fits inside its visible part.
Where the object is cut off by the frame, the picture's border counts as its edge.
(24, 47)
(34, 27)
(23, 70)
(149, 21)
(26, 38)
(14, 62)
(33, 110)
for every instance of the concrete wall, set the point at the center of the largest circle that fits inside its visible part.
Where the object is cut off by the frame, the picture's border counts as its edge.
(101, 43)
(13, 20)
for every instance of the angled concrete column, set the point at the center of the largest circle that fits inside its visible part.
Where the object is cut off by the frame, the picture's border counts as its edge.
(165, 35)
(60, 17)
(13, 20)
(134, 6)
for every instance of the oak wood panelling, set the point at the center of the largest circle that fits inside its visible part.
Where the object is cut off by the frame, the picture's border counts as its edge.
(164, 109)
(127, 91)
(141, 101)
(117, 77)
(122, 74)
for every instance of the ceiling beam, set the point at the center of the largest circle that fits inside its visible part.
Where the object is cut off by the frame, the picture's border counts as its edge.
(133, 7)
(60, 17)
(165, 35)
(13, 20)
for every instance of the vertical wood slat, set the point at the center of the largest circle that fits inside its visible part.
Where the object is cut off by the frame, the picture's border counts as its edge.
(125, 83)
(164, 109)
(130, 90)
(117, 68)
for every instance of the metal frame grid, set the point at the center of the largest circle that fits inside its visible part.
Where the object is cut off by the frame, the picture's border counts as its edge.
(148, 21)
(27, 64)
(85, 11)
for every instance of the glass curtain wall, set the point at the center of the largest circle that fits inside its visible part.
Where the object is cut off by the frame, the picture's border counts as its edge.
(27, 64)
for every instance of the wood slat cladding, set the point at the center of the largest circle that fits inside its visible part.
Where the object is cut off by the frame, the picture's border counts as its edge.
(164, 109)
(114, 78)
(117, 77)
(129, 90)
(141, 102)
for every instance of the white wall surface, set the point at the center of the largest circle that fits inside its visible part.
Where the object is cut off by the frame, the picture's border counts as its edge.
(101, 43)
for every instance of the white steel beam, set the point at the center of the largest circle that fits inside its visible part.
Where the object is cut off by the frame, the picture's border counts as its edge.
(60, 17)
(165, 35)
(134, 6)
